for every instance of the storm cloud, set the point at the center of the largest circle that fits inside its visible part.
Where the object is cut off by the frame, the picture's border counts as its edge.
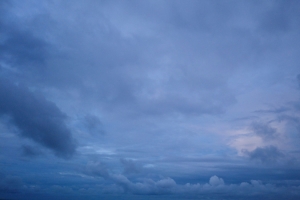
(37, 118)
(264, 130)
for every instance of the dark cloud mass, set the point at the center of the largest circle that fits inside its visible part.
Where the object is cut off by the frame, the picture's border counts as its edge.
(10, 184)
(21, 49)
(265, 154)
(264, 130)
(37, 118)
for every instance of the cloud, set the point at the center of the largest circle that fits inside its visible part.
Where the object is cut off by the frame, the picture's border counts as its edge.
(216, 181)
(129, 166)
(96, 169)
(22, 58)
(22, 49)
(120, 74)
(10, 184)
(30, 151)
(148, 186)
(37, 118)
(265, 154)
(264, 130)
(276, 18)
(215, 186)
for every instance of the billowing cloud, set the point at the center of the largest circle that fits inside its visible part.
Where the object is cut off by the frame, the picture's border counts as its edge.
(215, 181)
(96, 169)
(265, 154)
(10, 184)
(215, 185)
(37, 118)
(263, 130)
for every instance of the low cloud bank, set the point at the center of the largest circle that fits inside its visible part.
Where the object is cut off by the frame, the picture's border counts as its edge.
(215, 185)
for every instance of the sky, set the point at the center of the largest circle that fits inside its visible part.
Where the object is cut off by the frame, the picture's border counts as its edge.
(158, 99)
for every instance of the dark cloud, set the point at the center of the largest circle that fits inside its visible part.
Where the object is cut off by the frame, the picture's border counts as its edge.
(96, 169)
(267, 154)
(30, 151)
(280, 16)
(19, 47)
(10, 184)
(292, 122)
(112, 71)
(37, 118)
(22, 50)
(263, 130)
(276, 19)
(93, 124)
(216, 187)
(129, 166)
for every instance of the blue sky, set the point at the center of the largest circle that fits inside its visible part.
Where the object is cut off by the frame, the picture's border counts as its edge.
(149, 99)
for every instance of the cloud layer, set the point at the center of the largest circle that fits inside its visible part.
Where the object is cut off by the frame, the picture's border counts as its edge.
(149, 99)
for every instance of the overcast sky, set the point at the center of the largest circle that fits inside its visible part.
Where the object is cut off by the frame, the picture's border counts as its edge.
(159, 99)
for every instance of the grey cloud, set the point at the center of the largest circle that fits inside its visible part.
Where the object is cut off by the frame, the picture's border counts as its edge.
(119, 67)
(96, 169)
(19, 47)
(264, 130)
(292, 121)
(10, 184)
(265, 154)
(280, 16)
(37, 118)
(215, 186)
(163, 186)
(118, 74)
(148, 186)
(129, 166)
(93, 124)
(112, 71)
(22, 50)
(276, 18)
